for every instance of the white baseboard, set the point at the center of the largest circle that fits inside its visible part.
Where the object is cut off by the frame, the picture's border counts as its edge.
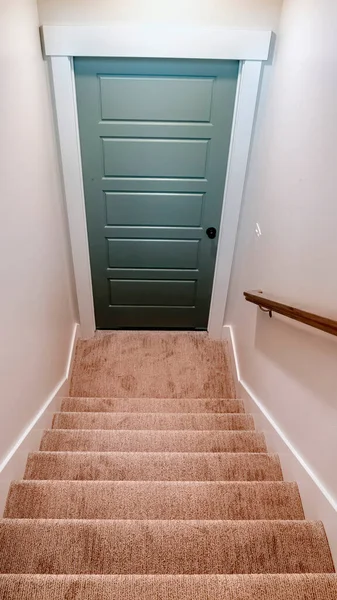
(13, 466)
(317, 502)
(227, 337)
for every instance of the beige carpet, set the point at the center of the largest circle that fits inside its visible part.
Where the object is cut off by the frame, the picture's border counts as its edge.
(104, 440)
(159, 492)
(166, 421)
(69, 546)
(153, 466)
(169, 587)
(152, 405)
(152, 364)
(154, 500)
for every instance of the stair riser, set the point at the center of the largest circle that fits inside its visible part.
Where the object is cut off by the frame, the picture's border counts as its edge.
(153, 500)
(151, 405)
(169, 587)
(152, 441)
(166, 547)
(157, 421)
(149, 466)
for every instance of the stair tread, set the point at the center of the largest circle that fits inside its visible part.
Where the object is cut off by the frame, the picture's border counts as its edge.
(153, 500)
(165, 421)
(167, 466)
(172, 587)
(163, 547)
(211, 405)
(153, 440)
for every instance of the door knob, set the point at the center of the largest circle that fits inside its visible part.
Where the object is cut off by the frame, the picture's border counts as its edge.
(211, 232)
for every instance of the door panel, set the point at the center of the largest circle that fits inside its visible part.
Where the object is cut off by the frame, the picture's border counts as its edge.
(162, 254)
(154, 158)
(127, 208)
(162, 99)
(152, 293)
(154, 139)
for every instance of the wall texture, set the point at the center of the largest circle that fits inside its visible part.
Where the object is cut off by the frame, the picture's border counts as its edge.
(261, 14)
(291, 193)
(37, 314)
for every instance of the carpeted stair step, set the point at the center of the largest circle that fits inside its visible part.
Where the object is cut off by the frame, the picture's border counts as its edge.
(152, 441)
(198, 421)
(169, 587)
(151, 405)
(153, 500)
(164, 491)
(163, 547)
(152, 364)
(157, 466)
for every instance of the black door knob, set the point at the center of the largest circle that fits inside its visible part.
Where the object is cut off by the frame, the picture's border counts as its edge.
(211, 232)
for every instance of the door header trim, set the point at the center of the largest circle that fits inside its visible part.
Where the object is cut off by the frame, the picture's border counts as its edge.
(156, 41)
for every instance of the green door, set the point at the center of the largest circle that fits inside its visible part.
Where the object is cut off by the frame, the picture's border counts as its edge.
(154, 139)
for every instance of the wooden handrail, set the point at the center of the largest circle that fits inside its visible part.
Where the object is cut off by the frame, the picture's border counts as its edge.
(271, 304)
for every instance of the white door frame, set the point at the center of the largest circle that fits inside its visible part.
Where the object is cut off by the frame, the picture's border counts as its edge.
(62, 43)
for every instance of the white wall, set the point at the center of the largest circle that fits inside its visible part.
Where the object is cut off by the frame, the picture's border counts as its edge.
(292, 193)
(36, 301)
(259, 14)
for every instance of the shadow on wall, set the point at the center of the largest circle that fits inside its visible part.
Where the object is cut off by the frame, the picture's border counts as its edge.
(307, 356)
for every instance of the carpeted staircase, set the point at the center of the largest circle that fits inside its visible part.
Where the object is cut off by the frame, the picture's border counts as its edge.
(158, 498)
